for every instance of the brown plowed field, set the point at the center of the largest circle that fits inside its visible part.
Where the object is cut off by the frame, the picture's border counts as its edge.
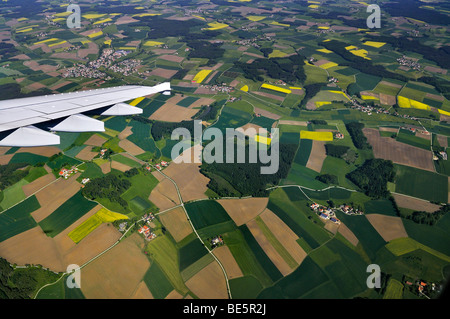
(177, 224)
(244, 210)
(95, 140)
(55, 195)
(389, 227)
(209, 283)
(142, 292)
(187, 176)
(284, 235)
(348, 234)
(400, 153)
(86, 154)
(164, 195)
(117, 273)
(414, 203)
(37, 184)
(318, 155)
(270, 251)
(228, 262)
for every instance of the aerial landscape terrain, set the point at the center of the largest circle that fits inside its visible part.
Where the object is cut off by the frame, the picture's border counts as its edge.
(363, 120)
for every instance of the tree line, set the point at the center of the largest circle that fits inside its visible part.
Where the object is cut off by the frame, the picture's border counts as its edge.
(110, 186)
(357, 135)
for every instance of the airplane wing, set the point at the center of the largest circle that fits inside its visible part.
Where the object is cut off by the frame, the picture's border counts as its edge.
(64, 113)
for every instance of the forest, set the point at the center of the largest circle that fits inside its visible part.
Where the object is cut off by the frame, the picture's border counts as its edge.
(246, 178)
(289, 69)
(372, 177)
(110, 186)
(358, 137)
(336, 150)
(11, 173)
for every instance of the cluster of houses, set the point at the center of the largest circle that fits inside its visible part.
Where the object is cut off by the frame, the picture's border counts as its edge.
(159, 166)
(346, 209)
(422, 287)
(103, 152)
(329, 213)
(147, 232)
(410, 63)
(148, 217)
(216, 241)
(66, 173)
(338, 135)
(123, 226)
(326, 213)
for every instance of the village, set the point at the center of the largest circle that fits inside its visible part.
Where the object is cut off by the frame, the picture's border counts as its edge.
(329, 213)
(147, 230)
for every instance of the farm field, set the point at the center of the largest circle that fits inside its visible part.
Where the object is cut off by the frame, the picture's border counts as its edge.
(398, 152)
(66, 214)
(421, 184)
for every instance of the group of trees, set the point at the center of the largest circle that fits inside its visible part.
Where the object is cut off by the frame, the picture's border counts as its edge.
(16, 284)
(310, 91)
(209, 112)
(372, 177)
(289, 69)
(336, 150)
(358, 137)
(243, 179)
(12, 173)
(110, 186)
(328, 179)
(427, 218)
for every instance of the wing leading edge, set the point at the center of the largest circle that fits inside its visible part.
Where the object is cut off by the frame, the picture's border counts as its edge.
(18, 116)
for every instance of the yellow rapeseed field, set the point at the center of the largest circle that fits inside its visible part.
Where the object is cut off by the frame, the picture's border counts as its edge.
(316, 136)
(328, 65)
(263, 139)
(374, 44)
(200, 76)
(88, 226)
(95, 34)
(275, 88)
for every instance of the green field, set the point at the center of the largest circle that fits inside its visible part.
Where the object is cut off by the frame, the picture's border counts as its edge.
(295, 216)
(369, 238)
(18, 219)
(137, 195)
(163, 250)
(13, 194)
(394, 290)
(422, 184)
(407, 137)
(28, 158)
(206, 213)
(190, 253)
(66, 214)
(157, 282)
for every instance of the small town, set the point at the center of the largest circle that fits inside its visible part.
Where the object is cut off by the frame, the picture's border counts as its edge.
(326, 213)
